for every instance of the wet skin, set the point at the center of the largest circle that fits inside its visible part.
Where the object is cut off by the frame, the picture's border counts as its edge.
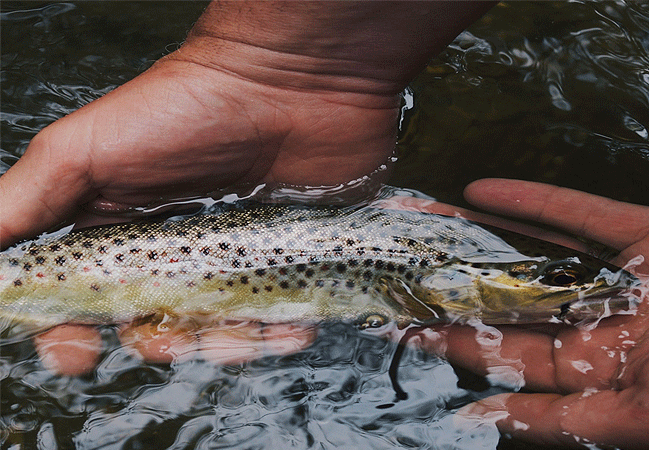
(266, 113)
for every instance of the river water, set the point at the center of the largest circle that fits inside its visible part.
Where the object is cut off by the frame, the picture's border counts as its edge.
(555, 92)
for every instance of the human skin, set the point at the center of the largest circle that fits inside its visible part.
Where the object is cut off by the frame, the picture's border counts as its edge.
(584, 385)
(278, 98)
(563, 405)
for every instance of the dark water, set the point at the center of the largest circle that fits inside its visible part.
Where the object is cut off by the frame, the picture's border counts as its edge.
(562, 97)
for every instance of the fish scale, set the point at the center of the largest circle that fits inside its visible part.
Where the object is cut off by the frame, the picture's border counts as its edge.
(271, 263)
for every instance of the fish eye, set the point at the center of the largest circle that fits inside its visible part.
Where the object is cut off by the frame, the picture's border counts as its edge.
(373, 321)
(563, 275)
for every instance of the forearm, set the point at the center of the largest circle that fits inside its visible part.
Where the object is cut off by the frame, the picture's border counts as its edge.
(370, 47)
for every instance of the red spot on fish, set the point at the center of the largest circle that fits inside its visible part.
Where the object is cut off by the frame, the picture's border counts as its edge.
(86, 269)
(123, 281)
(39, 275)
(155, 283)
(173, 260)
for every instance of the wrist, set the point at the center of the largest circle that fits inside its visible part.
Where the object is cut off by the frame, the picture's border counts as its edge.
(362, 47)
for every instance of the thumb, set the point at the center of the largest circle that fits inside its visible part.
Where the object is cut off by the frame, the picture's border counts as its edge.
(43, 188)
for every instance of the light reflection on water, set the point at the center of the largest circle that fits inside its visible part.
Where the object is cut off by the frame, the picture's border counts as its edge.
(571, 77)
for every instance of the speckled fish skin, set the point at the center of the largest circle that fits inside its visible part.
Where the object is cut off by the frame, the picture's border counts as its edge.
(282, 264)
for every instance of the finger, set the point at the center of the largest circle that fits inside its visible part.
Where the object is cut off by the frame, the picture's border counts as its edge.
(433, 207)
(610, 222)
(618, 418)
(238, 342)
(70, 350)
(161, 341)
(41, 189)
(507, 357)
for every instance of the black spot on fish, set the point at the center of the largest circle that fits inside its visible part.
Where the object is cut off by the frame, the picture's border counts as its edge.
(301, 267)
(341, 268)
(368, 262)
(248, 264)
(224, 246)
(350, 242)
(302, 283)
(364, 289)
(27, 267)
(60, 277)
(271, 262)
(208, 275)
(170, 274)
(244, 280)
(186, 250)
(241, 251)
(155, 272)
(337, 250)
(260, 272)
(282, 271)
(309, 273)
(190, 284)
(33, 251)
(284, 284)
(77, 255)
(325, 267)
(413, 261)
(319, 283)
(18, 283)
(119, 257)
(278, 251)
(60, 260)
(349, 284)
(14, 262)
(40, 260)
(376, 249)
(401, 268)
(409, 275)
(235, 263)
(390, 267)
(367, 275)
(353, 263)
(206, 250)
(152, 255)
(255, 290)
(268, 288)
(379, 264)
(181, 233)
(55, 247)
(288, 259)
(94, 287)
(118, 241)
(87, 244)
(135, 251)
(360, 252)
(229, 283)
(102, 249)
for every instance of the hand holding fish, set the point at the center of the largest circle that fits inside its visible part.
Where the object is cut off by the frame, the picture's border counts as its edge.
(583, 385)
(260, 92)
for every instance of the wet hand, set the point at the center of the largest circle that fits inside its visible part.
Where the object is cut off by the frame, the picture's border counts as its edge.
(583, 384)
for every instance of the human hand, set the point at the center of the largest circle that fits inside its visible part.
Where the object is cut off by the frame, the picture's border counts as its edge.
(584, 385)
(261, 92)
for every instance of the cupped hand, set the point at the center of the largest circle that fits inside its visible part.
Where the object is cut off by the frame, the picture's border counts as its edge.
(583, 385)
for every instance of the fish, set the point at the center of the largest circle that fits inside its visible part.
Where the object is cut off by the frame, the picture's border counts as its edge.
(275, 263)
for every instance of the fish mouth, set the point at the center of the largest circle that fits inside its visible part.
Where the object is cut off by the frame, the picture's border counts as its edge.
(604, 300)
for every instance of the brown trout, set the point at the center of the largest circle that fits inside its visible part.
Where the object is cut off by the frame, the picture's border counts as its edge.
(283, 264)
